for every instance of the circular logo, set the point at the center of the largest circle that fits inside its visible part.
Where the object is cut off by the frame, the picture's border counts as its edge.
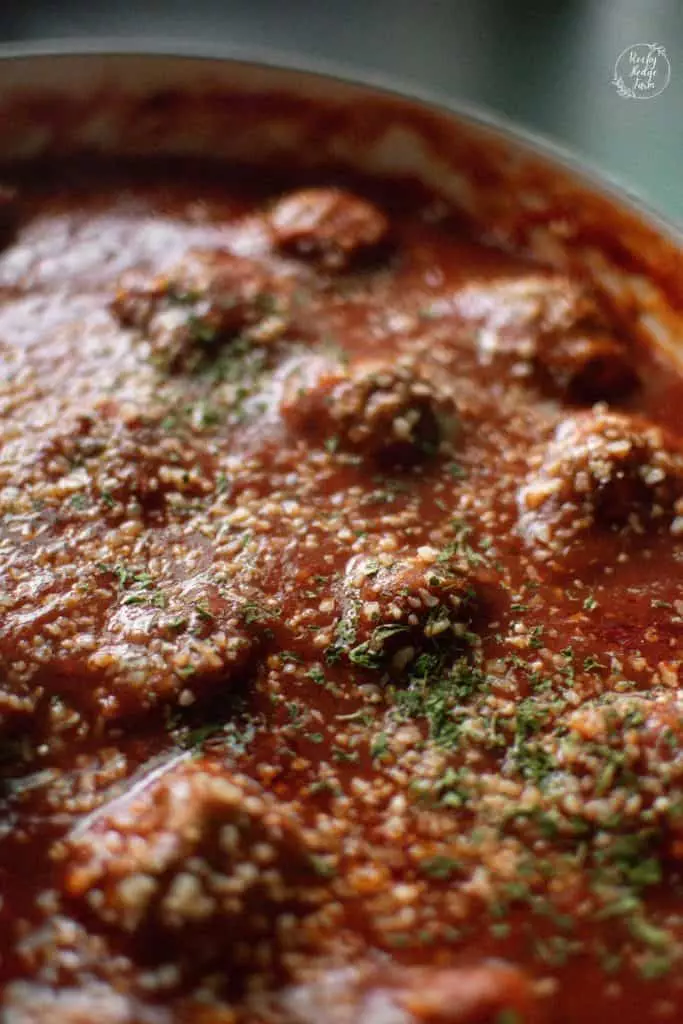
(642, 71)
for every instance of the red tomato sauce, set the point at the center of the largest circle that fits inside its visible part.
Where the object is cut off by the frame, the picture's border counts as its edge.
(341, 615)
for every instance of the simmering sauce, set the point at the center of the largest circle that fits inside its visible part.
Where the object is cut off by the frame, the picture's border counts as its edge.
(340, 619)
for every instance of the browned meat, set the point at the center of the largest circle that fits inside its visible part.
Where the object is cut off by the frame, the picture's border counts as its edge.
(126, 467)
(193, 848)
(588, 366)
(555, 326)
(602, 470)
(389, 415)
(173, 636)
(212, 297)
(330, 226)
(150, 471)
(393, 609)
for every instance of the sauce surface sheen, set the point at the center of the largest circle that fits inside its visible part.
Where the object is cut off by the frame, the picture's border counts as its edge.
(340, 615)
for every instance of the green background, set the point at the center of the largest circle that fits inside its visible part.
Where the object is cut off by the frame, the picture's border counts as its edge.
(547, 66)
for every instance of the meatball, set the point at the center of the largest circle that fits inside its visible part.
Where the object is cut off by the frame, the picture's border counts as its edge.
(192, 849)
(555, 326)
(604, 471)
(132, 466)
(620, 745)
(388, 415)
(330, 226)
(213, 296)
(480, 993)
(392, 613)
(588, 366)
(144, 467)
